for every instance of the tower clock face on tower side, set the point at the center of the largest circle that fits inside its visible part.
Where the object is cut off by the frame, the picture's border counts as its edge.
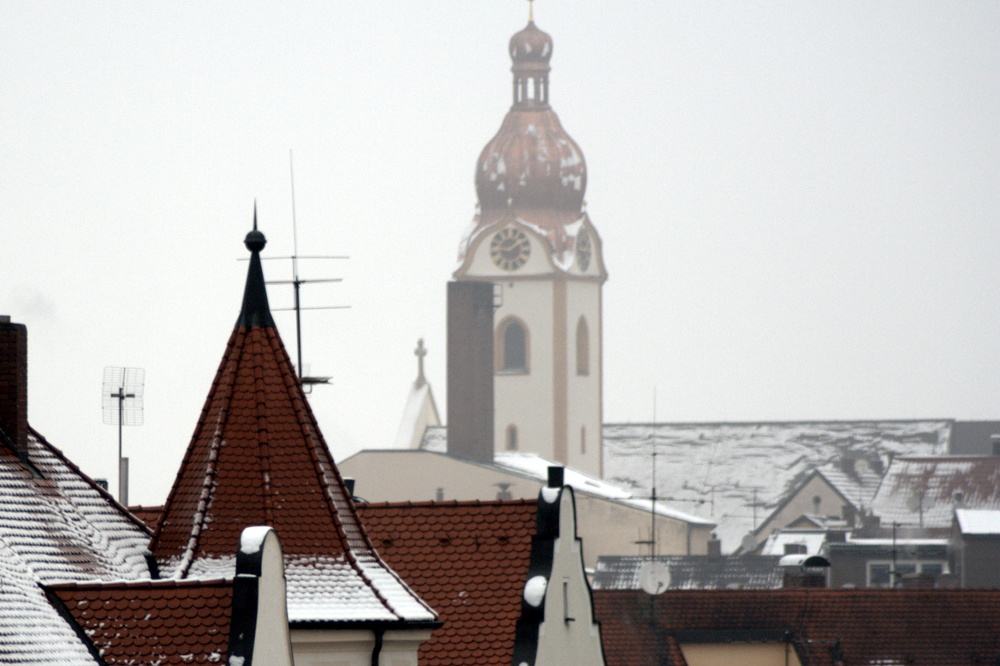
(509, 249)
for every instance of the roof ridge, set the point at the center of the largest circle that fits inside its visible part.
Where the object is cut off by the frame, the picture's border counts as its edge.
(57, 452)
(451, 503)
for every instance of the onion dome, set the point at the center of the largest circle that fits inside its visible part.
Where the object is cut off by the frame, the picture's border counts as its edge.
(531, 167)
(531, 45)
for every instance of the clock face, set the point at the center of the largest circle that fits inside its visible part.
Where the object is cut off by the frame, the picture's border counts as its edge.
(509, 249)
(583, 250)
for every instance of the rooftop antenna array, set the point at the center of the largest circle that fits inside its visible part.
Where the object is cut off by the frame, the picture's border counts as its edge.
(122, 402)
(307, 381)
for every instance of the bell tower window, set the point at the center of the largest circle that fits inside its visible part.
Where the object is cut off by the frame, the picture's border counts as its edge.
(582, 348)
(512, 347)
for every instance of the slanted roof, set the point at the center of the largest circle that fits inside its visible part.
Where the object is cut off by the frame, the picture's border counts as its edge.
(55, 525)
(691, 572)
(856, 487)
(858, 626)
(534, 467)
(257, 457)
(468, 560)
(925, 491)
(979, 522)
(164, 622)
(740, 464)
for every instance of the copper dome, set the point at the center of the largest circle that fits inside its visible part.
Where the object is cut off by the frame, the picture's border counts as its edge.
(531, 167)
(530, 45)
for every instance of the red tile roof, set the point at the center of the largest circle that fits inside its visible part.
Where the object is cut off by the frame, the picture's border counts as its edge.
(468, 560)
(905, 626)
(257, 457)
(154, 622)
(149, 515)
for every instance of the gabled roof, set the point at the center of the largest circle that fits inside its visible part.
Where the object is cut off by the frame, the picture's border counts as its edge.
(55, 525)
(691, 572)
(165, 622)
(859, 626)
(468, 561)
(257, 457)
(926, 490)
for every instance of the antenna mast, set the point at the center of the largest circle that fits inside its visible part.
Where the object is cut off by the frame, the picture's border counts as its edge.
(297, 283)
(122, 399)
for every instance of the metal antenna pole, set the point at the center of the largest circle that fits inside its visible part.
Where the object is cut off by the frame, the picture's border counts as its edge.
(652, 503)
(121, 414)
(295, 269)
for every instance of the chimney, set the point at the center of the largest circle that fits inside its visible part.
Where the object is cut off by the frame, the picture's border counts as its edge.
(470, 370)
(349, 484)
(714, 546)
(14, 385)
(849, 513)
(556, 476)
(995, 441)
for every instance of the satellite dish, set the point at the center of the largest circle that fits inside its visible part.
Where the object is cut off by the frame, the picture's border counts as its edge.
(654, 577)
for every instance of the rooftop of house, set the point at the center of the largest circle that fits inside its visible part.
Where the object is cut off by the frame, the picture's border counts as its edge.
(257, 457)
(826, 627)
(980, 522)
(56, 525)
(926, 490)
(534, 467)
(691, 572)
(468, 560)
(723, 472)
(164, 622)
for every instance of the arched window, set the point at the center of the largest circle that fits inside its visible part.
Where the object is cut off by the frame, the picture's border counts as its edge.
(512, 347)
(512, 437)
(582, 348)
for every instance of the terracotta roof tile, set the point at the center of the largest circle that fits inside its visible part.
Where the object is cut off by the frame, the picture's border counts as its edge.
(257, 457)
(867, 626)
(152, 622)
(468, 560)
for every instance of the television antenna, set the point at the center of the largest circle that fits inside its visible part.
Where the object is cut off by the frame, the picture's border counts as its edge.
(122, 401)
(307, 381)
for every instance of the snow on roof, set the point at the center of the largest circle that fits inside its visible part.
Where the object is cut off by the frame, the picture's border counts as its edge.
(926, 490)
(257, 457)
(691, 572)
(859, 488)
(978, 521)
(776, 541)
(722, 469)
(56, 527)
(537, 467)
(62, 525)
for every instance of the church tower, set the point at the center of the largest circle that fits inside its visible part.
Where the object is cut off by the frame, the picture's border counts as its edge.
(533, 239)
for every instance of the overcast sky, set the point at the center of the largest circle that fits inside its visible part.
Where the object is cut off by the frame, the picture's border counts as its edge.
(798, 201)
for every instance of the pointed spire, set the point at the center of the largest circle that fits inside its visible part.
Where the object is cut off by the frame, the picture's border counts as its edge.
(255, 311)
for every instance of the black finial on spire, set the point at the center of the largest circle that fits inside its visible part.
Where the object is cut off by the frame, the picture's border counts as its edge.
(256, 311)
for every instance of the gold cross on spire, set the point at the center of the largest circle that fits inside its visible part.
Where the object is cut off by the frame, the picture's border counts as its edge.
(531, 10)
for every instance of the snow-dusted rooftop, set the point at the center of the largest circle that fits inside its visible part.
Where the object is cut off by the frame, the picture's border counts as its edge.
(535, 467)
(719, 470)
(56, 527)
(978, 521)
